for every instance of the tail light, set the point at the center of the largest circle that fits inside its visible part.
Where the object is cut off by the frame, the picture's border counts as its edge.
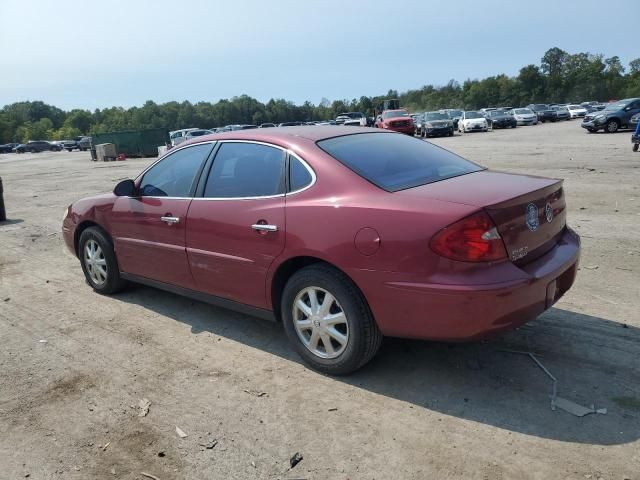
(472, 239)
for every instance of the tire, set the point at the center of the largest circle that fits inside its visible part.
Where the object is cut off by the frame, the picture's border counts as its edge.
(91, 238)
(359, 330)
(68, 149)
(612, 126)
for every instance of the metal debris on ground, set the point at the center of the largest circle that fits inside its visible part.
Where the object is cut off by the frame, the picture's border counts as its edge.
(295, 460)
(144, 405)
(148, 475)
(256, 393)
(180, 433)
(106, 445)
(209, 445)
(558, 402)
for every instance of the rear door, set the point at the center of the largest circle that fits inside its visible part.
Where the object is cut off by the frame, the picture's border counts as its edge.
(149, 230)
(236, 226)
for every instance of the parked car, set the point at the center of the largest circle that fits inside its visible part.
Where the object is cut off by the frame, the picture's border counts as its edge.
(502, 119)
(176, 137)
(376, 224)
(81, 142)
(615, 116)
(562, 113)
(290, 124)
(473, 121)
(346, 117)
(435, 124)
(525, 116)
(576, 111)
(267, 125)
(36, 146)
(396, 120)
(196, 133)
(455, 115)
(8, 147)
(544, 112)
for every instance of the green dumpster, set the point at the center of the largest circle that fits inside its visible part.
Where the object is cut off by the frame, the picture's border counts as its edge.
(135, 143)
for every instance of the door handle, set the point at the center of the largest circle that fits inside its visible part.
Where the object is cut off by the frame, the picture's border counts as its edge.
(170, 220)
(264, 228)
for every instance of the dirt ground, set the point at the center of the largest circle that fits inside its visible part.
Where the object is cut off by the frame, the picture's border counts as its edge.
(74, 365)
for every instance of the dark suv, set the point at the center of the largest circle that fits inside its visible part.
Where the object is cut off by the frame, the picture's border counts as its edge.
(81, 143)
(37, 146)
(544, 112)
(615, 116)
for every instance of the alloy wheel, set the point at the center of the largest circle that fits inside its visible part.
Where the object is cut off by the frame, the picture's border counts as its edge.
(95, 262)
(320, 322)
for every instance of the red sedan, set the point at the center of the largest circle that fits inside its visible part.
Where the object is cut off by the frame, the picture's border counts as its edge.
(344, 234)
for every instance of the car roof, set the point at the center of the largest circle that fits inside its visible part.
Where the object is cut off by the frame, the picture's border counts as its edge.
(312, 133)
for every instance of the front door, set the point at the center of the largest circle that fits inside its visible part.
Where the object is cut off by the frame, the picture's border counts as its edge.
(237, 228)
(149, 230)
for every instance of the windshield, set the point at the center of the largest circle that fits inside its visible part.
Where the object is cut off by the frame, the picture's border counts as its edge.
(473, 115)
(396, 162)
(522, 111)
(198, 133)
(436, 116)
(497, 113)
(395, 113)
(355, 115)
(455, 113)
(574, 107)
(541, 106)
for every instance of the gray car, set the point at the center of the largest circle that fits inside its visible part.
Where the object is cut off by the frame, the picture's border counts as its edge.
(615, 116)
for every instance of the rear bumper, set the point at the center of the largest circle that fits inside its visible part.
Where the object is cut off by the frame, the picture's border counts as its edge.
(414, 309)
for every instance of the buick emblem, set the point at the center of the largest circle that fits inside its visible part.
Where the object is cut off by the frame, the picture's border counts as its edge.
(548, 211)
(531, 217)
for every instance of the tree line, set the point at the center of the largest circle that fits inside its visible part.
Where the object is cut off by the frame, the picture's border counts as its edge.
(560, 77)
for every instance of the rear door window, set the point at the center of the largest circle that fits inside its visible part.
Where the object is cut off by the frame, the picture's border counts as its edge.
(244, 170)
(394, 161)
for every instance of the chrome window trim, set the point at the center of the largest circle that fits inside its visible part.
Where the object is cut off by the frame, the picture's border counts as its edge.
(285, 150)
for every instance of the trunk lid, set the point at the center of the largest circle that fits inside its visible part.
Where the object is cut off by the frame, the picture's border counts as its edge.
(529, 211)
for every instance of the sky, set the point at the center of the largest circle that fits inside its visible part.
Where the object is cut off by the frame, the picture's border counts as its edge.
(97, 54)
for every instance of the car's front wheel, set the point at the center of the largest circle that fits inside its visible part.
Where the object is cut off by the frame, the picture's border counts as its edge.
(328, 321)
(612, 126)
(99, 262)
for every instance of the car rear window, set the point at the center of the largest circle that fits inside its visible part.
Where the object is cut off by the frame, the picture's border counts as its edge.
(396, 162)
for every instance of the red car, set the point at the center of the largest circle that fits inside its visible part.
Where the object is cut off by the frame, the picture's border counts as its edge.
(344, 234)
(396, 120)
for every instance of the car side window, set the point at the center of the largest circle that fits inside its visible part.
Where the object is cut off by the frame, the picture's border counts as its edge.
(175, 175)
(243, 170)
(299, 176)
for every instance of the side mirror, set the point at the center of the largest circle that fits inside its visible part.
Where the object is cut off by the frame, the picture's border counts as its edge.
(126, 188)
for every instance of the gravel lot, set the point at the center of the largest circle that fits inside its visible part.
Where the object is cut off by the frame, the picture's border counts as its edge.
(74, 365)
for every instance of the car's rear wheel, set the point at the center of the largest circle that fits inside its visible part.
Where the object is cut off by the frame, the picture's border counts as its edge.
(99, 262)
(328, 321)
(612, 126)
